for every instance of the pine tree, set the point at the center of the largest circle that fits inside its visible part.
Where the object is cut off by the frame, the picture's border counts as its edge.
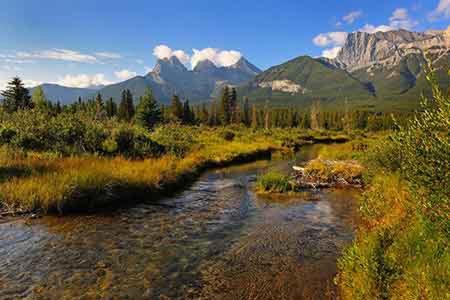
(213, 120)
(39, 100)
(126, 107)
(266, 115)
(225, 107)
(58, 108)
(100, 112)
(254, 117)
(246, 112)
(233, 106)
(204, 114)
(122, 110)
(16, 96)
(315, 111)
(176, 108)
(130, 105)
(148, 113)
(111, 108)
(187, 118)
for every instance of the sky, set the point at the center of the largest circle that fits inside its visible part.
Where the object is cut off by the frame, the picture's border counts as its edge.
(80, 43)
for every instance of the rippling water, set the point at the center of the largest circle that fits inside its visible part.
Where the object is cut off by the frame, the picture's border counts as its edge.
(216, 240)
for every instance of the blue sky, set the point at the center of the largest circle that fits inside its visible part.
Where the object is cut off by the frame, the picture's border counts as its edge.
(80, 42)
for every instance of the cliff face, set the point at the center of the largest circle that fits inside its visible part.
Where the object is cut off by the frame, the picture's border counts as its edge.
(362, 50)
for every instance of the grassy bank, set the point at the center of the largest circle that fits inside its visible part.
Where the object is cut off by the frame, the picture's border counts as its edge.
(50, 182)
(402, 248)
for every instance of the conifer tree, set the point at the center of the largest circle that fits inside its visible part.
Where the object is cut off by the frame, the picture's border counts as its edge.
(266, 115)
(38, 98)
(111, 108)
(100, 112)
(254, 117)
(58, 108)
(16, 96)
(130, 105)
(176, 108)
(246, 112)
(315, 111)
(213, 120)
(187, 116)
(148, 113)
(233, 106)
(126, 108)
(204, 114)
(225, 106)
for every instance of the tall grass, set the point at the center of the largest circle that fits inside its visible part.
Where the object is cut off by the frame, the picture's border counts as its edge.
(80, 183)
(402, 249)
(274, 182)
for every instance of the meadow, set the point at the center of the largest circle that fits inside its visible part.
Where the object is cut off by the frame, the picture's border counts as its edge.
(58, 182)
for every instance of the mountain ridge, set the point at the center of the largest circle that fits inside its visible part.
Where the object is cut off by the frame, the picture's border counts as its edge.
(168, 77)
(371, 69)
(376, 70)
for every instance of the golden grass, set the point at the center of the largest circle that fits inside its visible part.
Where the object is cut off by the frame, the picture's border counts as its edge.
(90, 182)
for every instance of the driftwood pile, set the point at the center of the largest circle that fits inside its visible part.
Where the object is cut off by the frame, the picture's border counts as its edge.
(327, 173)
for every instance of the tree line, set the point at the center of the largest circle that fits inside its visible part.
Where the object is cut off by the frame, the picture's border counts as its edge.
(225, 110)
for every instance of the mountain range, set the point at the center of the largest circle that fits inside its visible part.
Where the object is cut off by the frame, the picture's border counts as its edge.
(382, 70)
(169, 77)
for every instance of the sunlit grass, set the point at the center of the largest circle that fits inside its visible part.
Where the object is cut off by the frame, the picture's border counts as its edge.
(82, 183)
(274, 182)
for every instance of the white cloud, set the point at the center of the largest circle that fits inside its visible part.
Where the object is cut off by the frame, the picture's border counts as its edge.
(331, 53)
(441, 11)
(29, 83)
(83, 80)
(163, 51)
(330, 39)
(108, 55)
(221, 58)
(352, 16)
(58, 54)
(139, 61)
(125, 74)
(399, 19)
(3, 84)
(372, 29)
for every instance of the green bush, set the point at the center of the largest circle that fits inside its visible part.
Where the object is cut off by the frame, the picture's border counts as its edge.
(176, 139)
(74, 133)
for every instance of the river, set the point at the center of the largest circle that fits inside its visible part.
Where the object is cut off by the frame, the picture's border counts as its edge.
(214, 240)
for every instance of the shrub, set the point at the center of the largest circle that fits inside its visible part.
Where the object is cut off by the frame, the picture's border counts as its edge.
(74, 133)
(402, 248)
(176, 139)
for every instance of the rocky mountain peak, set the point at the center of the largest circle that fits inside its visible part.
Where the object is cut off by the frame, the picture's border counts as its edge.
(205, 66)
(169, 65)
(363, 49)
(245, 66)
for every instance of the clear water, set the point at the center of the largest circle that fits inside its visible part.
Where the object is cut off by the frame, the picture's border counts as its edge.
(215, 240)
